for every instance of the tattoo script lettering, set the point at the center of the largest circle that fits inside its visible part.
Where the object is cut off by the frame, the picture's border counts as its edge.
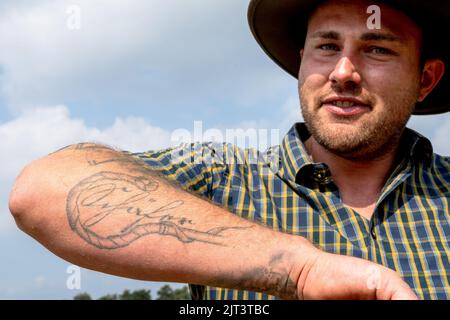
(111, 210)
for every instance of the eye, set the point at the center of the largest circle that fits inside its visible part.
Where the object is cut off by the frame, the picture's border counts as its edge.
(328, 47)
(380, 51)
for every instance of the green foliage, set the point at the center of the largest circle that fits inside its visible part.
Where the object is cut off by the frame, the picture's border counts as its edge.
(167, 293)
(109, 297)
(164, 293)
(82, 296)
(136, 295)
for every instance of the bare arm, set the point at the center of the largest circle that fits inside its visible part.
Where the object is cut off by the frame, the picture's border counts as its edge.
(107, 211)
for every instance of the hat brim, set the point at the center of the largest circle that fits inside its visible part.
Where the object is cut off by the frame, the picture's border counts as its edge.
(279, 27)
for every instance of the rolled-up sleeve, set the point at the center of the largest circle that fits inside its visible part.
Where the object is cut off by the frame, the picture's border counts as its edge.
(198, 167)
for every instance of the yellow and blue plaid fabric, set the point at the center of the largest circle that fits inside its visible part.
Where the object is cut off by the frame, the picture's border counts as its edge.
(283, 189)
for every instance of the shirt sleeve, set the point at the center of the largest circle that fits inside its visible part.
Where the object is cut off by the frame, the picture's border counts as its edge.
(198, 167)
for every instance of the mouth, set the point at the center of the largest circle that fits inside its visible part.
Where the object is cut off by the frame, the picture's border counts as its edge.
(344, 106)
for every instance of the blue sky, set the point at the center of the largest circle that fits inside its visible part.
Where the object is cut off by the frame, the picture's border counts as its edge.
(133, 72)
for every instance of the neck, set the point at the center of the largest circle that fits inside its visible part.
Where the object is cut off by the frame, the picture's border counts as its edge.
(359, 181)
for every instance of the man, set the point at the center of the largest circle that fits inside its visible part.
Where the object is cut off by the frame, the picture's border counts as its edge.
(350, 205)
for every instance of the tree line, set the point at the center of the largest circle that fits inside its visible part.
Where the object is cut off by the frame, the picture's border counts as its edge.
(166, 292)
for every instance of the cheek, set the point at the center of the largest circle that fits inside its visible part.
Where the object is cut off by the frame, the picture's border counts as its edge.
(314, 74)
(393, 89)
(311, 88)
(312, 78)
(390, 79)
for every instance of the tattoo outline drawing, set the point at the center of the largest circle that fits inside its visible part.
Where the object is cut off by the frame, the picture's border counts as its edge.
(111, 210)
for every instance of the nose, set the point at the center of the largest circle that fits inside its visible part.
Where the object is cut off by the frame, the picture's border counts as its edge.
(345, 74)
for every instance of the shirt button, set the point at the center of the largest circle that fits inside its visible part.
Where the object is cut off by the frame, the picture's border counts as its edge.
(321, 174)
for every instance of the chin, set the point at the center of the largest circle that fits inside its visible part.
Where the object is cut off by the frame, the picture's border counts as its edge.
(342, 137)
(342, 127)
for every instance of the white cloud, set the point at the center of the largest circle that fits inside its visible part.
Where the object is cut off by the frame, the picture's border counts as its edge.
(40, 131)
(277, 128)
(268, 131)
(170, 51)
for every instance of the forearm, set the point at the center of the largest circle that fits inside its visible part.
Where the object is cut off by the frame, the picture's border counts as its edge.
(106, 211)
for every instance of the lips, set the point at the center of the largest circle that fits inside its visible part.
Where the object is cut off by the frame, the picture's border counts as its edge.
(344, 106)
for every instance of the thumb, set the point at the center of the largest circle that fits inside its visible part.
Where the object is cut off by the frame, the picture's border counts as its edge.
(404, 294)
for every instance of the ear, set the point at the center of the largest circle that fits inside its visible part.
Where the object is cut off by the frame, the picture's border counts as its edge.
(301, 53)
(431, 75)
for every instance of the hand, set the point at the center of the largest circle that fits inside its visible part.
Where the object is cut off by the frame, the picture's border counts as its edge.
(331, 276)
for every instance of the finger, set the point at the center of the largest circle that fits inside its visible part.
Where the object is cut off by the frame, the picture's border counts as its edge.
(404, 294)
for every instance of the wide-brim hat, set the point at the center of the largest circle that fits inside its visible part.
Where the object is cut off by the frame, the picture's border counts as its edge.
(279, 26)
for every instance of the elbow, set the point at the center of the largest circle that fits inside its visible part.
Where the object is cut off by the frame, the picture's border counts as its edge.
(22, 198)
(37, 200)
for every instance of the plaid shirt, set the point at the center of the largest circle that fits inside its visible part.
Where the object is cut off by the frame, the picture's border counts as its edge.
(282, 188)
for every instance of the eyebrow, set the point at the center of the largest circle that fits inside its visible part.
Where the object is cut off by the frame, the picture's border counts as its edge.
(377, 36)
(332, 35)
(368, 36)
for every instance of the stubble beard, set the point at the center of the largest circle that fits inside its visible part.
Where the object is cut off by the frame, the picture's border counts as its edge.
(367, 138)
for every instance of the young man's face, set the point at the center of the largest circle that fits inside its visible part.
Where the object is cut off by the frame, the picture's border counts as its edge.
(358, 87)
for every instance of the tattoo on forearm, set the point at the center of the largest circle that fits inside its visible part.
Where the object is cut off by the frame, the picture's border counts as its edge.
(97, 154)
(272, 279)
(111, 210)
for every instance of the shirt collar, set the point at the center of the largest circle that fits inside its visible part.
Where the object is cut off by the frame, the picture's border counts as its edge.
(416, 147)
(294, 157)
(293, 154)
